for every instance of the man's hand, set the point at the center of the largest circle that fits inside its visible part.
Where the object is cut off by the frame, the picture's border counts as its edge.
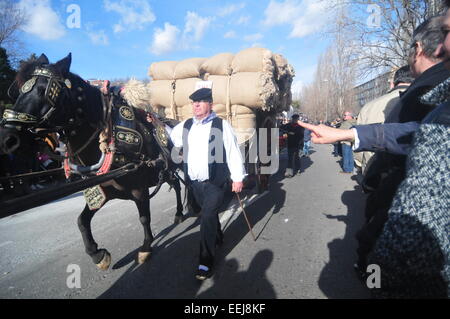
(322, 134)
(236, 187)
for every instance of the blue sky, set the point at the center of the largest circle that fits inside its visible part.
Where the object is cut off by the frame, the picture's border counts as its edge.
(121, 38)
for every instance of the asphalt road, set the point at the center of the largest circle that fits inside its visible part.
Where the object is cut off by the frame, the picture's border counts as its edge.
(305, 245)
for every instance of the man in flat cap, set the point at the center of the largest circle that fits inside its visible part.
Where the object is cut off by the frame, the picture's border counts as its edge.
(211, 157)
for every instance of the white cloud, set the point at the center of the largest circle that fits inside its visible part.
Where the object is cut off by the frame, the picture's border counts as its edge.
(230, 35)
(42, 20)
(195, 26)
(282, 12)
(134, 14)
(253, 37)
(98, 37)
(224, 11)
(165, 41)
(243, 20)
(172, 39)
(312, 20)
(306, 16)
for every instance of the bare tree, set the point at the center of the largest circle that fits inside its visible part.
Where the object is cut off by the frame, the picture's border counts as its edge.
(381, 29)
(11, 20)
(331, 92)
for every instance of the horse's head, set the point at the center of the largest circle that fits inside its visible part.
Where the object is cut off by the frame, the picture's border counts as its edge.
(44, 99)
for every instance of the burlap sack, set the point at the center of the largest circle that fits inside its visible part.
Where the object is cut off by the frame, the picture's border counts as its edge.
(219, 64)
(219, 88)
(254, 90)
(184, 112)
(220, 110)
(183, 89)
(189, 68)
(243, 121)
(284, 74)
(160, 93)
(164, 70)
(253, 60)
(282, 67)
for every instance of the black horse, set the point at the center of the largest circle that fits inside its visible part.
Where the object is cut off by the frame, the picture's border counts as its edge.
(51, 98)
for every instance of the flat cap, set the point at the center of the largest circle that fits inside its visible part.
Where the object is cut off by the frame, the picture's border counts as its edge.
(203, 94)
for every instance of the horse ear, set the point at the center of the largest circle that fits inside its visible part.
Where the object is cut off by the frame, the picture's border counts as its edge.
(64, 64)
(43, 59)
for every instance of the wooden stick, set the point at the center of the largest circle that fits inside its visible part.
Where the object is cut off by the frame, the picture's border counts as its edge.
(246, 218)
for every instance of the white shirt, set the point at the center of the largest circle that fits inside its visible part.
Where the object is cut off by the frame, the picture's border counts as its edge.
(198, 140)
(356, 143)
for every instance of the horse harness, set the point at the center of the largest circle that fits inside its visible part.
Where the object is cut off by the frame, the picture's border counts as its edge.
(122, 142)
(119, 129)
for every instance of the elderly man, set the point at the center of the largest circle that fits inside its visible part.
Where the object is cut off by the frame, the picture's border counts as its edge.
(205, 139)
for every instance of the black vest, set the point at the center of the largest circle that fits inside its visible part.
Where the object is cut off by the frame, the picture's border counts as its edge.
(219, 173)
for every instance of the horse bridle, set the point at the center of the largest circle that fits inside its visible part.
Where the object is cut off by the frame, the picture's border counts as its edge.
(55, 86)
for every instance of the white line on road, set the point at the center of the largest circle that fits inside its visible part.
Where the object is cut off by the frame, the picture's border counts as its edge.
(6, 243)
(170, 208)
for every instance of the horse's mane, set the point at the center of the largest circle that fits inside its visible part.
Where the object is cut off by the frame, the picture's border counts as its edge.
(137, 94)
(25, 71)
(27, 68)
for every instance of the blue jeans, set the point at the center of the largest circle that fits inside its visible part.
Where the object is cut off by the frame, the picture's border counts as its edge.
(347, 158)
(306, 146)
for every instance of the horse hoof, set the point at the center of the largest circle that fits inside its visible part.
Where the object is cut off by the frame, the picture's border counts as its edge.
(178, 220)
(143, 256)
(106, 261)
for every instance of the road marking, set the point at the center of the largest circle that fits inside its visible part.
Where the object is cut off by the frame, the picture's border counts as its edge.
(170, 208)
(6, 243)
(236, 210)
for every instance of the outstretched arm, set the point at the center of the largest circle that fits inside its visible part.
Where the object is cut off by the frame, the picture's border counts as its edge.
(395, 138)
(322, 134)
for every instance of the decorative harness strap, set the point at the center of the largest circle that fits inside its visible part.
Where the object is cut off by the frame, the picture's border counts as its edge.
(107, 148)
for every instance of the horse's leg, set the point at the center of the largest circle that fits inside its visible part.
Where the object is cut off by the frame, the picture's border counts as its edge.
(143, 206)
(179, 218)
(102, 258)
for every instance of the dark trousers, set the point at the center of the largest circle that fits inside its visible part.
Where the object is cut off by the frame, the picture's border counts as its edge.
(210, 198)
(293, 160)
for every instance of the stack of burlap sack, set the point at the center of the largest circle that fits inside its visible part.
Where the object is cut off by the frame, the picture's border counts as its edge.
(253, 79)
